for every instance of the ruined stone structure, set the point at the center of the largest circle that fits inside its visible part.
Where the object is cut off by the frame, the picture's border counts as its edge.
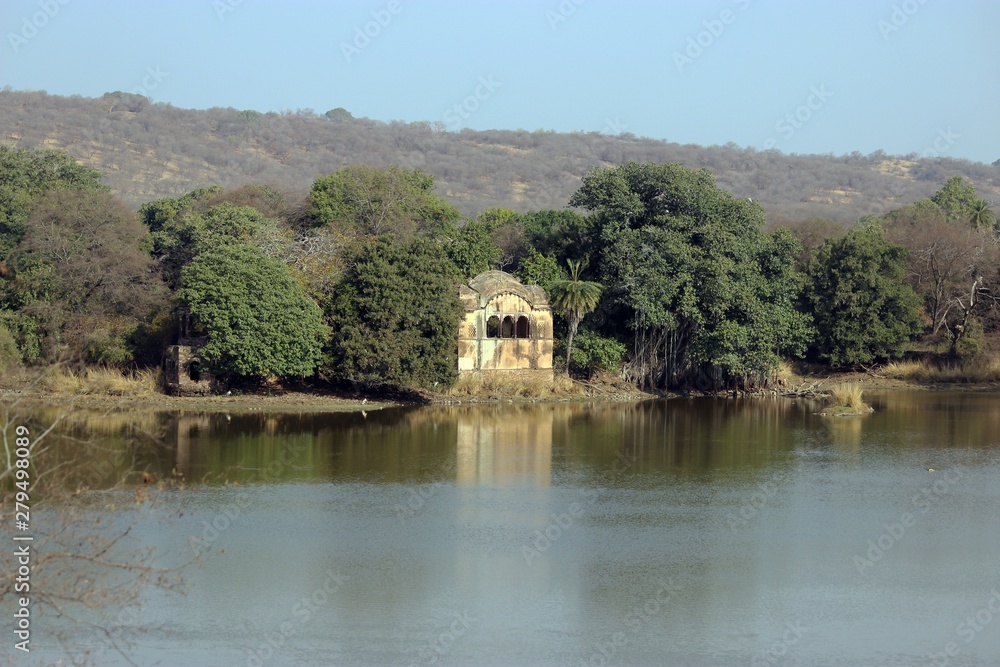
(183, 374)
(507, 326)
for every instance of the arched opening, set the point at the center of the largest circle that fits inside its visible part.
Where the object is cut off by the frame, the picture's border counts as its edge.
(493, 327)
(507, 327)
(523, 328)
(194, 371)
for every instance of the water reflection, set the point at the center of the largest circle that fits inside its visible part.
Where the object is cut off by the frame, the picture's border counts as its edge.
(547, 526)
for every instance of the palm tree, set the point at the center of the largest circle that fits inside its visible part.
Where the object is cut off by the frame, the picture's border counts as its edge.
(573, 299)
(981, 215)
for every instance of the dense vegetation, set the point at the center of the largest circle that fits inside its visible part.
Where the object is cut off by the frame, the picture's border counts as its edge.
(657, 273)
(151, 151)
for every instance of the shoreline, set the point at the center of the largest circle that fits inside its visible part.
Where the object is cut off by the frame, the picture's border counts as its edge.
(301, 401)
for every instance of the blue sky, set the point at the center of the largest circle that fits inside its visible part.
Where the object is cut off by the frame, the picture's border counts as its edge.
(905, 76)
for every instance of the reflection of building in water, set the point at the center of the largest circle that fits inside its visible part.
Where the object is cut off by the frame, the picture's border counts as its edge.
(504, 447)
(188, 427)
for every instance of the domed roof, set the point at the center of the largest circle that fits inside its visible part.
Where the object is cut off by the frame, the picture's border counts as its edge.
(491, 284)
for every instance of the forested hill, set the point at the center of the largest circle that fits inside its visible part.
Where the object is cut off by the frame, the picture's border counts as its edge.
(148, 151)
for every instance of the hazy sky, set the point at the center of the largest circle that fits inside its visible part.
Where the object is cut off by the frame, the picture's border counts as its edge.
(906, 76)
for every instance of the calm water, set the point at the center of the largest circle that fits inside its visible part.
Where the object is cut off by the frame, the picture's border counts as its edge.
(685, 532)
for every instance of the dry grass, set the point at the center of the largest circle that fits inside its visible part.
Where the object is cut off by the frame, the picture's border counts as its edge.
(512, 385)
(975, 370)
(102, 381)
(849, 396)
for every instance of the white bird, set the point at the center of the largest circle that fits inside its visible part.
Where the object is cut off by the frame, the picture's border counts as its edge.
(364, 414)
(363, 401)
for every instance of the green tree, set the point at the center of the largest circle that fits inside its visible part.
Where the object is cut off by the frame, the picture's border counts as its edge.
(183, 236)
(956, 198)
(863, 309)
(471, 248)
(982, 216)
(573, 299)
(84, 275)
(564, 235)
(707, 294)
(371, 201)
(256, 315)
(26, 174)
(539, 269)
(395, 315)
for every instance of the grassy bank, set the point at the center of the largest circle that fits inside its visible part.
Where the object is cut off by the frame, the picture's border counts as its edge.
(981, 369)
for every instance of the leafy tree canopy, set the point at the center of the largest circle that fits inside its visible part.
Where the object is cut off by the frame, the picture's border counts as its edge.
(372, 201)
(956, 198)
(25, 174)
(395, 315)
(708, 291)
(256, 315)
(863, 309)
(184, 236)
(84, 274)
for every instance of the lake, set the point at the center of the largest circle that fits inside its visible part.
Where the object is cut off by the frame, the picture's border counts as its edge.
(694, 532)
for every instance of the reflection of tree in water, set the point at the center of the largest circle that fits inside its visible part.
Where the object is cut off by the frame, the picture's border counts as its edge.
(89, 574)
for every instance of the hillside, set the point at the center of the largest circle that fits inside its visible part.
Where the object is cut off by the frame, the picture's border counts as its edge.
(149, 151)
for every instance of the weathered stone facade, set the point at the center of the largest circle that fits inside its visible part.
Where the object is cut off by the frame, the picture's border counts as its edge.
(183, 374)
(507, 326)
